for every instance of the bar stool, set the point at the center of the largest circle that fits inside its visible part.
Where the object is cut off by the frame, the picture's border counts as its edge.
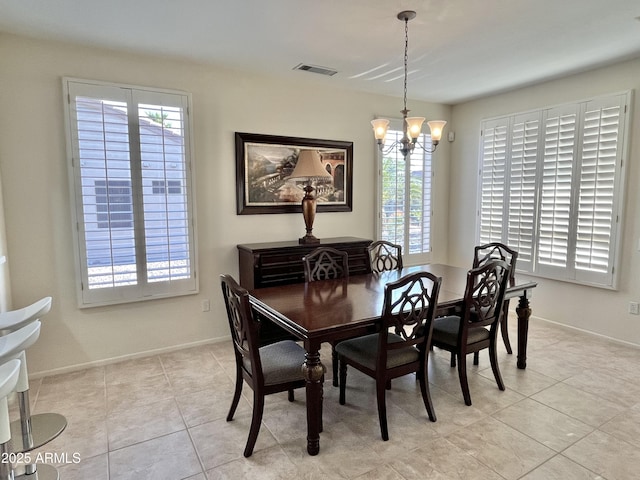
(8, 379)
(31, 431)
(14, 319)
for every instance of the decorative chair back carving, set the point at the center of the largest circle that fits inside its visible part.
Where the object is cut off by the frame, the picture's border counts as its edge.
(496, 251)
(325, 263)
(384, 256)
(484, 294)
(244, 328)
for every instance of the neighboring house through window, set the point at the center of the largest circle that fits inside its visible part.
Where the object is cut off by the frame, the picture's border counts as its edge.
(131, 174)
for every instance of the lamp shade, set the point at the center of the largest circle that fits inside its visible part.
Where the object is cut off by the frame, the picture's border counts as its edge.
(414, 126)
(309, 165)
(436, 127)
(380, 126)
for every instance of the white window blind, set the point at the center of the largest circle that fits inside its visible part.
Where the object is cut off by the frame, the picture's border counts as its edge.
(404, 210)
(131, 179)
(562, 169)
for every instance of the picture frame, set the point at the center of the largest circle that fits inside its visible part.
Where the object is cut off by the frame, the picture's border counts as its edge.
(264, 164)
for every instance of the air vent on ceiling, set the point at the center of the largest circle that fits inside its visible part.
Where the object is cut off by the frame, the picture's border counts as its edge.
(315, 69)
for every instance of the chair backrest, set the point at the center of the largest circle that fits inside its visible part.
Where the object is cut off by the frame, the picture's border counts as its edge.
(408, 311)
(496, 251)
(384, 256)
(484, 294)
(244, 328)
(325, 263)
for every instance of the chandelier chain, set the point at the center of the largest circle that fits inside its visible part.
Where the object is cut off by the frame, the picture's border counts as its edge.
(406, 58)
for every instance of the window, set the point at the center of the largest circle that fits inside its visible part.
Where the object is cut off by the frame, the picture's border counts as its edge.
(131, 190)
(551, 187)
(404, 207)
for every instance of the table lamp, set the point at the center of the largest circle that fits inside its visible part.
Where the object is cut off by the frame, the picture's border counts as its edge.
(310, 167)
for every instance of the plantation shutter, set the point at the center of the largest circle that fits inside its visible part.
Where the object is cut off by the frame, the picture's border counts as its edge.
(420, 199)
(558, 159)
(521, 216)
(405, 196)
(492, 180)
(394, 192)
(132, 191)
(562, 171)
(600, 161)
(161, 124)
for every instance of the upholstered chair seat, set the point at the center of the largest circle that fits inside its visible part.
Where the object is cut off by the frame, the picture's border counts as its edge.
(281, 362)
(364, 350)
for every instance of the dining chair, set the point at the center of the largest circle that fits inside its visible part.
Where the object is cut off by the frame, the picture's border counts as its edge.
(402, 345)
(272, 368)
(326, 263)
(481, 255)
(499, 251)
(384, 255)
(477, 326)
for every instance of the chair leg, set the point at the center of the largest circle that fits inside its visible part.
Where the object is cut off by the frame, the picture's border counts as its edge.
(453, 359)
(426, 395)
(343, 381)
(236, 395)
(291, 395)
(464, 384)
(504, 329)
(334, 365)
(476, 358)
(493, 356)
(256, 419)
(382, 408)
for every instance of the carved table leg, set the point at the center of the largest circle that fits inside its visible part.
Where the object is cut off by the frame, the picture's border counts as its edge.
(313, 371)
(524, 312)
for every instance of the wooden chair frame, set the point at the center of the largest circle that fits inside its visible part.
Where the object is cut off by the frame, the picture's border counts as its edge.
(384, 256)
(244, 333)
(407, 322)
(482, 307)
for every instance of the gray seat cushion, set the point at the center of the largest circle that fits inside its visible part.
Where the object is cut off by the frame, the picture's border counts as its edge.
(364, 350)
(445, 330)
(281, 362)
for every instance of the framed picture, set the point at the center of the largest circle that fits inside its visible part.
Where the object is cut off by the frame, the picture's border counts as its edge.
(264, 164)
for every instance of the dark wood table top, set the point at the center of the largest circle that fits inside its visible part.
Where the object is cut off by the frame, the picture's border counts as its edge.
(339, 308)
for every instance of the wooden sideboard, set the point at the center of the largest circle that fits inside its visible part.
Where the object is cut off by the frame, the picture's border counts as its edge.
(280, 263)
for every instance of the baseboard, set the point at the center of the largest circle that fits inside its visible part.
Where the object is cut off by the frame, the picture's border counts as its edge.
(133, 356)
(582, 330)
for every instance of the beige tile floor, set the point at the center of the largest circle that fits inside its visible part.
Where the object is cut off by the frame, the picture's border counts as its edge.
(573, 414)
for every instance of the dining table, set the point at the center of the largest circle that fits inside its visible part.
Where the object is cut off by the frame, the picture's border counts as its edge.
(336, 309)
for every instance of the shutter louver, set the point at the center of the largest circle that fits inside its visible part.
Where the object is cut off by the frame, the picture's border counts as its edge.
(132, 192)
(597, 186)
(393, 192)
(405, 210)
(563, 174)
(557, 173)
(493, 176)
(525, 136)
(103, 151)
(164, 174)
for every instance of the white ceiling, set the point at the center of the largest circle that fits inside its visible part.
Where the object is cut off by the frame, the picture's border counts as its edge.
(458, 49)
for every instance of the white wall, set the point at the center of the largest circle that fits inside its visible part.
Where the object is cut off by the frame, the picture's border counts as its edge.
(597, 310)
(36, 192)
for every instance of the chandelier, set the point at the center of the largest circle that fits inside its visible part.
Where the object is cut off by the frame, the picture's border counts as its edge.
(412, 126)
